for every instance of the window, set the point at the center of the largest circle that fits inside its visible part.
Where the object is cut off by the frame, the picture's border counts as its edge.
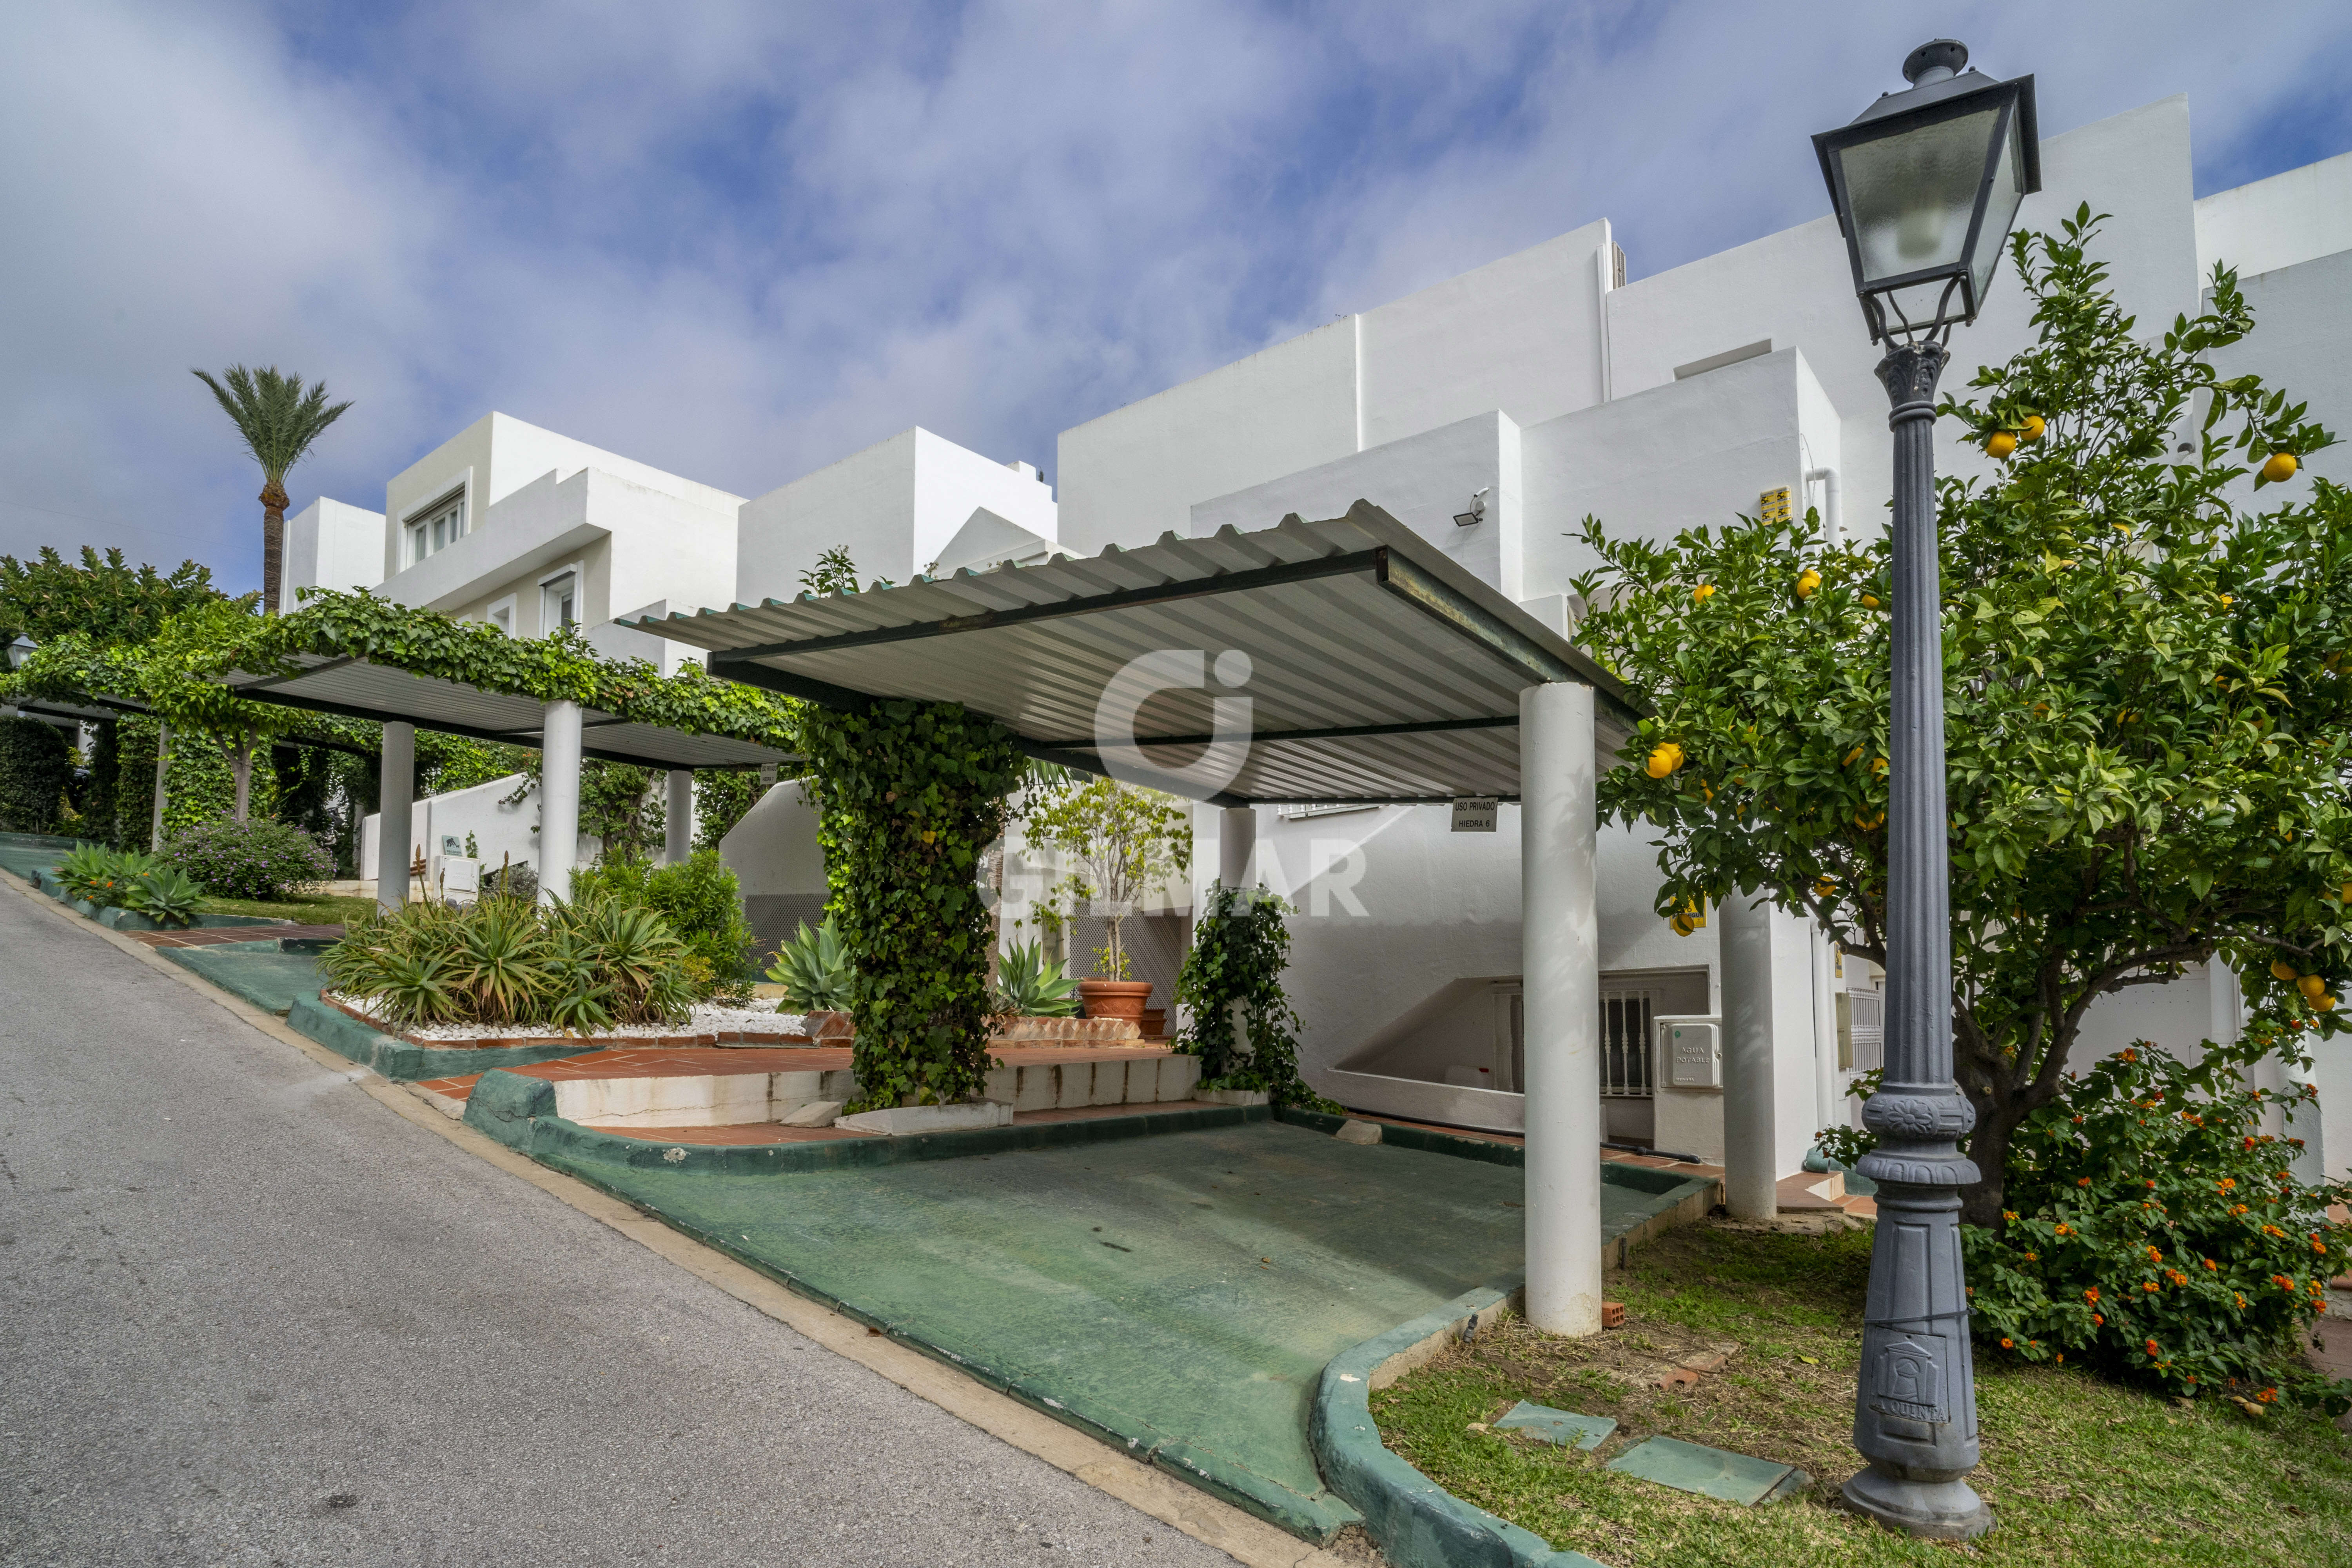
(502, 615)
(559, 603)
(440, 526)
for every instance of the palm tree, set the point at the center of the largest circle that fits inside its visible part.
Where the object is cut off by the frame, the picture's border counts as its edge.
(279, 418)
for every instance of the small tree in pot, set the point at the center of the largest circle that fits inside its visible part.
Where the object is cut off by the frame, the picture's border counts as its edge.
(1121, 841)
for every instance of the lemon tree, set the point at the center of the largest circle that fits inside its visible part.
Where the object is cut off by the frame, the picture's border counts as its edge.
(2148, 691)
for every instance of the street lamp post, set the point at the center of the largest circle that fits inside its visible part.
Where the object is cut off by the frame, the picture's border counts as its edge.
(1925, 184)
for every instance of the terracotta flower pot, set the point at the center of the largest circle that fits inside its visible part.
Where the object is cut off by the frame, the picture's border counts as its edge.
(1115, 998)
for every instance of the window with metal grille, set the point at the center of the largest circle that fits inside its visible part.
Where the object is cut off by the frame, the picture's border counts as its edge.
(1625, 1043)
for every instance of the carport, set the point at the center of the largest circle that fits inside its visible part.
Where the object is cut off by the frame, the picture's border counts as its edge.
(563, 732)
(1347, 659)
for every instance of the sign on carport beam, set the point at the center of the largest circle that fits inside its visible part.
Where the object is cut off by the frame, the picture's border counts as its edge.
(1475, 812)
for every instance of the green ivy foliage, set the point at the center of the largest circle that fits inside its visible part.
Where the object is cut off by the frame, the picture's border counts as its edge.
(198, 786)
(1240, 948)
(722, 796)
(2148, 690)
(911, 794)
(36, 766)
(97, 796)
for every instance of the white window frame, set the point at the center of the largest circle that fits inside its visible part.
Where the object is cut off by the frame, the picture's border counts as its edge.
(416, 547)
(507, 606)
(578, 572)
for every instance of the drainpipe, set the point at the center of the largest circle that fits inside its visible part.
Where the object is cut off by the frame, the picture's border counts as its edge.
(1833, 530)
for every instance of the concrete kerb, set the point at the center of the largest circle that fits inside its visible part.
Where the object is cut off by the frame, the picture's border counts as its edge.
(396, 1058)
(1178, 1504)
(1416, 1522)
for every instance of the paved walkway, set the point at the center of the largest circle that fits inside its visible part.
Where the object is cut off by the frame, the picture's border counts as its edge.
(250, 1316)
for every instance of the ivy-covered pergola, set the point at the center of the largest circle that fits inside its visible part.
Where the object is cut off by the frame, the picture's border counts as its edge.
(358, 656)
(1347, 659)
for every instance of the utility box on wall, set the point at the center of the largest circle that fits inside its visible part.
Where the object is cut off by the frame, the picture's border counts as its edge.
(1688, 1076)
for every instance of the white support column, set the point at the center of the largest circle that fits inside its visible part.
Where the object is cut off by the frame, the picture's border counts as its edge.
(678, 825)
(1561, 960)
(395, 802)
(1236, 844)
(559, 800)
(1750, 1186)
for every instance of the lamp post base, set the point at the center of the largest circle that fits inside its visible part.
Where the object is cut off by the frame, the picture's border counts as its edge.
(1946, 1510)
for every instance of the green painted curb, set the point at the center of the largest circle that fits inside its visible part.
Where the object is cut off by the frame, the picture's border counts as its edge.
(1419, 1138)
(396, 1058)
(193, 960)
(1416, 1522)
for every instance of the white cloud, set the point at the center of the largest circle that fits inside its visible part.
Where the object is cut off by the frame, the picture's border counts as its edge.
(739, 240)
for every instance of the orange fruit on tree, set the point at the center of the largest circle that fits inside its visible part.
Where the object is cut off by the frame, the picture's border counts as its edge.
(1870, 601)
(2281, 468)
(2001, 443)
(2033, 428)
(1664, 760)
(1703, 592)
(2281, 970)
(1809, 581)
(2313, 986)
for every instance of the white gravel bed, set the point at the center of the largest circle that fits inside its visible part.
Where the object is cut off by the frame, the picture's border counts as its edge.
(707, 1018)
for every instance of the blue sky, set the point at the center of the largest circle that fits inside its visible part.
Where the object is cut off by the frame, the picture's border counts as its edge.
(741, 238)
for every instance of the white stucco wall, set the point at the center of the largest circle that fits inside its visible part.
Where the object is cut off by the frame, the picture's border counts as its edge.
(332, 544)
(1133, 474)
(2295, 216)
(502, 832)
(894, 506)
(1422, 480)
(2302, 343)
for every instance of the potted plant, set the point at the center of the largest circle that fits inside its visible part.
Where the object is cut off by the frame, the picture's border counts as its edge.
(1122, 842)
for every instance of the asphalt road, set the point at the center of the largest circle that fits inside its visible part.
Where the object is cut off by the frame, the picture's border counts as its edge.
(247, 1315)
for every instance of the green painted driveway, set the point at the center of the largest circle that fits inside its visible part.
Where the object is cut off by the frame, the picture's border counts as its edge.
(1178, 1294)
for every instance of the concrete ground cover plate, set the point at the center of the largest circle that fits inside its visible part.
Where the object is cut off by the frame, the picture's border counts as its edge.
(1710, 1472)
(1564, 1428)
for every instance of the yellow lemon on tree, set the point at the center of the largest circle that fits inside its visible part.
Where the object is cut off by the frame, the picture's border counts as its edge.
(2001, 443)
(2281, 468)
(1825, 886)
(2343, 893)
(1681, 925)
(1852, 756)
(2313, 986)
(2033, 428)
(1664, 760)
(1703, 592)
(2281, 970)
(1870, 601)
(1806, 584)
(2325, 1003)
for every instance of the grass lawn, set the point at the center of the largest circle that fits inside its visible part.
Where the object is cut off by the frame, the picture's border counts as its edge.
(2078, 1470)
(319, 911)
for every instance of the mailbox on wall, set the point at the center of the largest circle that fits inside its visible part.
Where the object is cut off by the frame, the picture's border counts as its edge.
(1690, 1050)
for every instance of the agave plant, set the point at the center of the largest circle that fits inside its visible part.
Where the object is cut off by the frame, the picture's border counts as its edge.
(1032, 986)
(813, 969)
(166, 895)
(501, 957)
(97, 875)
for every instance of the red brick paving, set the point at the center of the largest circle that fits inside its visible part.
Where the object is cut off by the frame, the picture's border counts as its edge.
(716, 1061)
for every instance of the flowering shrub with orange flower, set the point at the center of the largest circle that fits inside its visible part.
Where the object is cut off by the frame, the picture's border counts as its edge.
(2149, 1233)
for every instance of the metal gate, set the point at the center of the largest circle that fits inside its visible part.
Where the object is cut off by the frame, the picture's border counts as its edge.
(1625, 1045)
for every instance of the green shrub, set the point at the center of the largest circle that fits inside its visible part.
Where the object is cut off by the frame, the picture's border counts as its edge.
(2156, 1233)
(96, 875)
(504, 962)
(813, 969)
(36, 766)
(1240, 948)
(264, 860)
(1031, 985)
(700, 899)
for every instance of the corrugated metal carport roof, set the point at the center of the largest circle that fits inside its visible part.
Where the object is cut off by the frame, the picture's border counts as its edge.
(1379, 671)
(359, 689)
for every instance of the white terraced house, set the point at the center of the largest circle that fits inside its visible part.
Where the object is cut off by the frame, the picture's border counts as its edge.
(1490, 413)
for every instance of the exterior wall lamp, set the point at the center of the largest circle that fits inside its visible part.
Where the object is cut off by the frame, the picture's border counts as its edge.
(1478, 512)
(1925, 184)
